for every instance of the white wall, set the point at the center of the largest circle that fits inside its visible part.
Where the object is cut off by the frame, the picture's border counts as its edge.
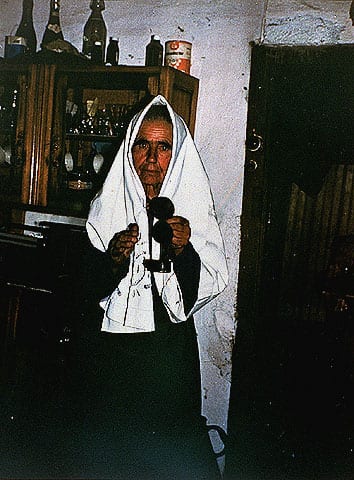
(221, 32)
(315, 22)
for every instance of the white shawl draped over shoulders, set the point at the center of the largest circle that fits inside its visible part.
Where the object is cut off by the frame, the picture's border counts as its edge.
(121, 201)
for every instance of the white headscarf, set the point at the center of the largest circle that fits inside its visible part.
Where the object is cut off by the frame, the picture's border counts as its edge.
(122, 201)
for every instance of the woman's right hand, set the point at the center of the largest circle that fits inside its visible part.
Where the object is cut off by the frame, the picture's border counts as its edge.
(122, 244)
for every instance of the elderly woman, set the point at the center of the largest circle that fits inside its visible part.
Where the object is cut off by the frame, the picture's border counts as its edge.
(148, 391)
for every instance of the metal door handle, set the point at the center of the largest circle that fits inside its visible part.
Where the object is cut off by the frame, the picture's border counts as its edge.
(254, 142)
(252, 165)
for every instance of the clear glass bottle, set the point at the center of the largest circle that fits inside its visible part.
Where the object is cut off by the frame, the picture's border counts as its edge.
(53, 29)
(112, 56)
(26, 29)
(95, 30)
(154, 52)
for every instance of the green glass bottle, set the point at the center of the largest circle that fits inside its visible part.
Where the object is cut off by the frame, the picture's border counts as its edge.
(53, 29)
(26, 29)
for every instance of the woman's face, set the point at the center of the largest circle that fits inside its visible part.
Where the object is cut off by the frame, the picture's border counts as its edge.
(152, 151)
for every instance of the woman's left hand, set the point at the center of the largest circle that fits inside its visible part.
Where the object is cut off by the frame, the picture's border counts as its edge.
(181, 233)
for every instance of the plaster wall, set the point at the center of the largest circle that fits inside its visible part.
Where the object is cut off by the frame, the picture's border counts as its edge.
(221, 32)
(312, 22)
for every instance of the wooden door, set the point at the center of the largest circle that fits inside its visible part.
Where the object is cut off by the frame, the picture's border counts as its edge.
(298, 198)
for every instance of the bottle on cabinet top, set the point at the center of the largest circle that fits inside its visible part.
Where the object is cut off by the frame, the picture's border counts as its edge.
(26, 28)
(53, 30)
(154, 52)
(97, 52)
(112, 57)
(95, 32)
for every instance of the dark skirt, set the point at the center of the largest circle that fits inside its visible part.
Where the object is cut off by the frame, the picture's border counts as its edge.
(138, 403)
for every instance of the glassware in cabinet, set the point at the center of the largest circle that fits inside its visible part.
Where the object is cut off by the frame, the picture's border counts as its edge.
(94, 121)
(13, 88)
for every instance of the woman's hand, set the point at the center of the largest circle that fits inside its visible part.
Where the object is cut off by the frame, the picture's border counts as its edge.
(181, 233)
(122, 244)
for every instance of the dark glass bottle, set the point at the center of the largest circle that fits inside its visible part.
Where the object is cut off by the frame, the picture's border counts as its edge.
(97, 52)
(26, 28)
(112, 57)
(53, 29)
(95, 31)
(154, 52)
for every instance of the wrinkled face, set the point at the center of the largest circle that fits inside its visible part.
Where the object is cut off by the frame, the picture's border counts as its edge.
(152, 151)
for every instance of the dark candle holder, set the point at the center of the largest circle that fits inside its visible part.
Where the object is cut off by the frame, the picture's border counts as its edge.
(161, 208)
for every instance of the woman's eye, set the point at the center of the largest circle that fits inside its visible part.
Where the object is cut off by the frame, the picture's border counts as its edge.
(141, 145)
(164, 147)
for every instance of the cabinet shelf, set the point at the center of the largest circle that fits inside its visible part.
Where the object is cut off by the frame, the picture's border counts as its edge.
(93, 137)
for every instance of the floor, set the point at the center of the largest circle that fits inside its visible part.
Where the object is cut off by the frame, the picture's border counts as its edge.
(291, 412)
(291, 415)
(49, 431)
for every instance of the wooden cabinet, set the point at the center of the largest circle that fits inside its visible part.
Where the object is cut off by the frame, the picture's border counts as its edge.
(56, 116)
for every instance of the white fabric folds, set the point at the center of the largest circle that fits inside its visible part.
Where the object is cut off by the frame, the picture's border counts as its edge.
(122, 201)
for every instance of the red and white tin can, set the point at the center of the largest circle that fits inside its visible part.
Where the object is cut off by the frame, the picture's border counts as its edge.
(178, 55)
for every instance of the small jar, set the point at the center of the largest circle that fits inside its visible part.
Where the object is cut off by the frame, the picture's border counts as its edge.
(79, 180)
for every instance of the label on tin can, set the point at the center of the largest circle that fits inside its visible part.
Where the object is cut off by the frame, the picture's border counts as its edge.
(14, 46)
(178, 55)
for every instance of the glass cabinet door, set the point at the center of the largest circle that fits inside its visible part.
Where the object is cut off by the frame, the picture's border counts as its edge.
(12, 93)
(92, 112)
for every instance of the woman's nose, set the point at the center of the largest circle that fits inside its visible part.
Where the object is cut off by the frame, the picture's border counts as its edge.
(152, 154)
